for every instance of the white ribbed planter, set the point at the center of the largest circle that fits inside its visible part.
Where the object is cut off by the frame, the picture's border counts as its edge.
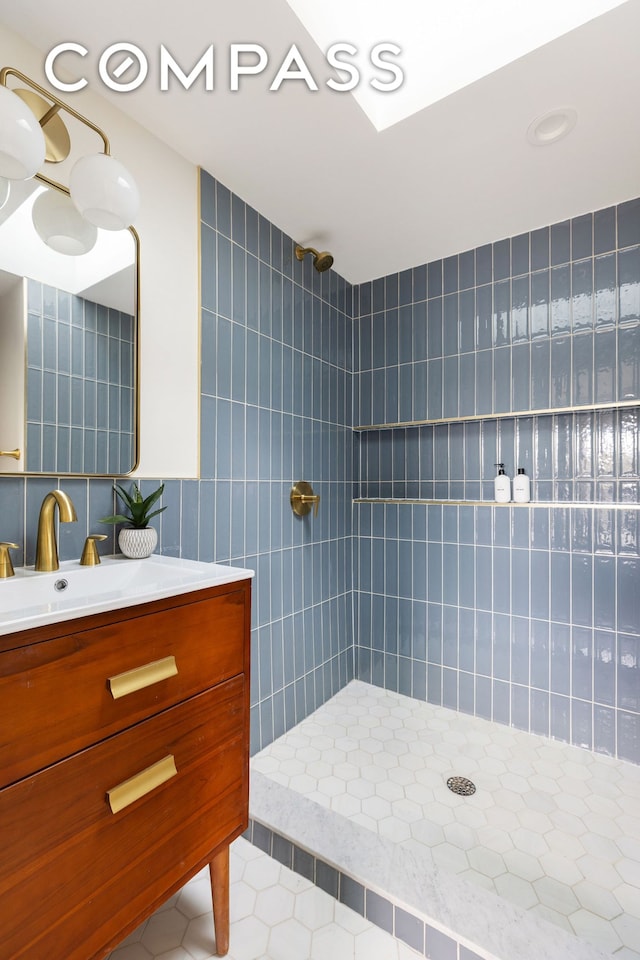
(137, 542)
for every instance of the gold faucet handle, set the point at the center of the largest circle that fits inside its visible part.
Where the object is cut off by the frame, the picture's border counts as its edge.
(90, 556)
(6, 566)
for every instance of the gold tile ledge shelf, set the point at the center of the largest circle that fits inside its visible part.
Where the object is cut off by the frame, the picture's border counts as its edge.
(503, 415)
(549, 504)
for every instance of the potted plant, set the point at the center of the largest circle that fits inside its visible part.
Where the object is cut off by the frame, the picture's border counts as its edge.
(137, 539)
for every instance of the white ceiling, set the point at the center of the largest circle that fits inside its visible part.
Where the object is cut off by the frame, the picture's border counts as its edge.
(455, 175)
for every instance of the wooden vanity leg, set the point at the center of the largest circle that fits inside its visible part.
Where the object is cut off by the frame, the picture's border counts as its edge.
(219, 871)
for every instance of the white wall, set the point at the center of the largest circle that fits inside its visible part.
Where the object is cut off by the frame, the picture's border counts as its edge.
(169, 290)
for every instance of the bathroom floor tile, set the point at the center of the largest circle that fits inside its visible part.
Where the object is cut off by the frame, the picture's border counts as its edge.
(275, 915)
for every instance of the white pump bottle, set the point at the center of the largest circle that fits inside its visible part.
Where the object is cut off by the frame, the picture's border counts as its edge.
(502, 485)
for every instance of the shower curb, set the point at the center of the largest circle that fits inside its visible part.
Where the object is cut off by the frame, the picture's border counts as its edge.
(431, 910)
(383, 913)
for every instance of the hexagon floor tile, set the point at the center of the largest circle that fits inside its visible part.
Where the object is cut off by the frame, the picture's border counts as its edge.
(275, 915)
(553, 828)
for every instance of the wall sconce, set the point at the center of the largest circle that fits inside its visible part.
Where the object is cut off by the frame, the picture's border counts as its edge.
(60, 226)
(32, 131)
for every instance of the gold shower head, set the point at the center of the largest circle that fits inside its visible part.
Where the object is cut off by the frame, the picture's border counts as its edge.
(321, 261)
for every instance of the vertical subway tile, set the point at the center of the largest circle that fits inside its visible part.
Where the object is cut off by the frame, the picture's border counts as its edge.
(628, 595)
(629, 363)
(604, 730)
(467, 270)
(628, 223)
(484, 265)
(583, 363)
(434, 329)
(520, 377)
(450, 275)
(581, 724)
(484, 381)
(450, 324)
(582, 236)
(450, 387)
(605, 372)
(604, 230)
(560, 242)
(434, 279)
(560, 301)
(502, 379)
(561, 371)
(582, 303)
(540, 585)
(520, 254)
(540, 375)
(539, 712)
(629, 285)
(484, 317)
(540, 248)
(502, 259)
(520, 309)
(540, 296)
(604, 666)
(628, 736)
(605, 290)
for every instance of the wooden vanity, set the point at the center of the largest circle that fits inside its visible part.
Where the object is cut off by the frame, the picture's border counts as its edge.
(124, 768)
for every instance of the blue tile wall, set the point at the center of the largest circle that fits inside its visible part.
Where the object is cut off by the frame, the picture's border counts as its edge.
(276, 408)
(541, 321)
(80, 385)
(525, 615)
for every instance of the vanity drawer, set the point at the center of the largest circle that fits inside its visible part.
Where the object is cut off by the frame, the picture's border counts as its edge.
(65, 693)
(98, 871)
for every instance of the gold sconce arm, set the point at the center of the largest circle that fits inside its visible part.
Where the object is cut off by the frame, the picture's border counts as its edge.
(46, 110)
(16, 454)
(6, 566)
(302, 497)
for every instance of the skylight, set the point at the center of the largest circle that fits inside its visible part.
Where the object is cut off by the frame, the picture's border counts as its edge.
(446, 44)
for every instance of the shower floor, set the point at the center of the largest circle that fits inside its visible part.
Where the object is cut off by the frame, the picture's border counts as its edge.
(552, 829)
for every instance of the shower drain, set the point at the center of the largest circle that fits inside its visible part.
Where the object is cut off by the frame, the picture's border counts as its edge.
(461, 786)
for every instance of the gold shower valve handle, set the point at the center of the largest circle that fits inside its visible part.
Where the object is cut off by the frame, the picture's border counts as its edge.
(302, 497)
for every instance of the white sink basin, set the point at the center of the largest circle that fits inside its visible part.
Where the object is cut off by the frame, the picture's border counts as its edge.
(31, 599)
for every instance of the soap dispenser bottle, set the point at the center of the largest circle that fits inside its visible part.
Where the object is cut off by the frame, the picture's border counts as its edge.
(521, 487)
(502, 485)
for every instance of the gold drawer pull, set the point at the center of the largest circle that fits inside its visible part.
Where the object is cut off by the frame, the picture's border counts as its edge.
(140, 677)
(142, 783)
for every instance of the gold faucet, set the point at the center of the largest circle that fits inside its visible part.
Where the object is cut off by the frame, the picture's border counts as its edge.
(46, 547)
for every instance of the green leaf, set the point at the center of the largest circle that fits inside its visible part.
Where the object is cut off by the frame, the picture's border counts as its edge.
(151, 499)
(117, 518)
(156, 512)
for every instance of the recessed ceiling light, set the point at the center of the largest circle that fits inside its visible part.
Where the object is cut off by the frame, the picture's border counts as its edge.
(551, 126)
